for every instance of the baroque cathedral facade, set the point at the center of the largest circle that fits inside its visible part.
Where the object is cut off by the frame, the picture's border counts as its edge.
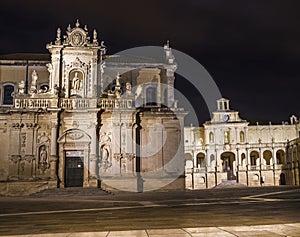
(81, 118)
(78, 117)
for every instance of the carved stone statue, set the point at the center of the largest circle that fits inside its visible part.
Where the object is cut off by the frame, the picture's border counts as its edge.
(43, 159)
(34, 77)
(128, 88)
(21, 87)
(76, 84)
(95, 36)
(105, 159)
(56, 89)
(58, 36)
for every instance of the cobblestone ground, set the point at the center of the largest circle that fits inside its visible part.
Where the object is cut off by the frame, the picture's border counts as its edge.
(267, 211)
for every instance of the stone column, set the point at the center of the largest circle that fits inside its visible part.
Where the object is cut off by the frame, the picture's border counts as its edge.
(170, 81)
(55, 66)
(92, 85)
(53, 148)
(93, 152)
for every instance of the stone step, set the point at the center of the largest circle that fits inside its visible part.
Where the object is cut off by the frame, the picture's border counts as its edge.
(229, 184)
(72, 191)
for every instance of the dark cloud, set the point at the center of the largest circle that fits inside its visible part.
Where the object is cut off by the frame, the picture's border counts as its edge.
(251, 48)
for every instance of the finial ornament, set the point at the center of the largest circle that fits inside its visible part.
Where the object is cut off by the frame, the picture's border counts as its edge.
(167, 45)
(118, 80)
(69, 28)
(77, 23)
(95, 40)
(58, 36)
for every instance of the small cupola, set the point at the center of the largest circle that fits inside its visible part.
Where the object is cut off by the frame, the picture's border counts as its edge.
(223, 104)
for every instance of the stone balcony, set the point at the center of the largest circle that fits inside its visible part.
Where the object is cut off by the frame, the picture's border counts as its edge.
(78, 103)
(35, 103)
(64, 103)
(114, 104)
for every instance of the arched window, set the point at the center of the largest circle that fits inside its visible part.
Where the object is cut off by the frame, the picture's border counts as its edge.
(200, 160)
(151, 96)
(242, 136)
(44, 87)
(7, 94)
(226, 137)
(211, 137)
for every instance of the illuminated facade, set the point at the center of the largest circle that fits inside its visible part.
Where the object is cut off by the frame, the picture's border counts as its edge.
(81, 118)
(229, 151)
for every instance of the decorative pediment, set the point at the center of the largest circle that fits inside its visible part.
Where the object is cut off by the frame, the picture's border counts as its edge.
(78, 63)
(78, 37)
(74, 135)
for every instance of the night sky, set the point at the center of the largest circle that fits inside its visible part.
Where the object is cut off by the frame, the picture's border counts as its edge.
(250, 47)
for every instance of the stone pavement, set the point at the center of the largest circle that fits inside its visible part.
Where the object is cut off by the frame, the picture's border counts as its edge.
(292, 229)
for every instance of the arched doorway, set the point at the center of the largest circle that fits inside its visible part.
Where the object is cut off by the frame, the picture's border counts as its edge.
(254, 155)
(200, 160)
(280, 157)
(228, 160)
(75, 168)
(188, 161)
(282, 179)
(267, 155)
(243, 158)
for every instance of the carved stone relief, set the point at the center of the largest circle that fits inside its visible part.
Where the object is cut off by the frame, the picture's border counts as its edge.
(105, 152)
(43, 160)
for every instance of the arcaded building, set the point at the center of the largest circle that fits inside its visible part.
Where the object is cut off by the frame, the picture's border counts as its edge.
(228, 151)
(79, 117)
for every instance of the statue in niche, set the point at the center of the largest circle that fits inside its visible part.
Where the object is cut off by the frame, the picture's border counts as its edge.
(50, 70)
(104, 160)
(76, 82)
(34, 77)
(43, 159)
(56, 89)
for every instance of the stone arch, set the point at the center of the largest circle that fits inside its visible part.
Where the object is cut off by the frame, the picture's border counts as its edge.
(73, 135)
(7, 90)
(188, 160)
(151, 95)
(294, 154)
(243, 159)
(280, 157)
(202, 180)
(212, 160)
(255, 177)
(229, 164)
(211, 137)
(75, 143)
(254, 156)
(282, 179)
(242, 137)
(267, 156)
(200, 160)
(76, 82)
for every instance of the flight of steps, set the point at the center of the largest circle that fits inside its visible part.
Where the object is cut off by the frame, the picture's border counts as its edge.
(68, 192)
(229, 184)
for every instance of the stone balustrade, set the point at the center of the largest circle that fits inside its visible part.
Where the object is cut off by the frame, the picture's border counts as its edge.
(111, 104)
(34, 103)
(77, 103)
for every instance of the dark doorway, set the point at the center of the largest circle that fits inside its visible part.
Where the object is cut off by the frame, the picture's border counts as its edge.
(282, 179)
(74, 172)
(228, 159)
